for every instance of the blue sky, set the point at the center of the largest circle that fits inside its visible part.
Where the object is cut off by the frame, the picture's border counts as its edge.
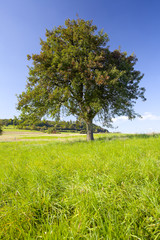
(133, 25)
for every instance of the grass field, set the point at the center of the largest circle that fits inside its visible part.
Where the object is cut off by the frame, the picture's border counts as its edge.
(106, 189)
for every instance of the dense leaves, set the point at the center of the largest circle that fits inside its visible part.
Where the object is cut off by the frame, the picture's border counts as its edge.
(76, 71)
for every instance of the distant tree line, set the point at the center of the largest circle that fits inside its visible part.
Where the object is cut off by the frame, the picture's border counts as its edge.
(52, 126)
(0, 127)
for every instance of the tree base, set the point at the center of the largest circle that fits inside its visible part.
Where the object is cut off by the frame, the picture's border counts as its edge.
(89, 131)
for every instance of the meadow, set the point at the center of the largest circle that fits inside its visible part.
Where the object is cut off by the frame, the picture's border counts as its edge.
(72, 189)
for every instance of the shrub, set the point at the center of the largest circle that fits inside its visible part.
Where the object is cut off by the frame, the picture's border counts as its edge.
(52, 130)
(82, 132)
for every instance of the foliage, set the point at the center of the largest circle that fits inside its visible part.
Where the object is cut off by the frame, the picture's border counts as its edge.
(76, 71)
(77, 191)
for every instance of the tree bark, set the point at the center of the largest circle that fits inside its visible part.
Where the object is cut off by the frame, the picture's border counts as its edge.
(89, 131)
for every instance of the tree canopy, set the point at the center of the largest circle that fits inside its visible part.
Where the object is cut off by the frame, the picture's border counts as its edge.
(75, 70)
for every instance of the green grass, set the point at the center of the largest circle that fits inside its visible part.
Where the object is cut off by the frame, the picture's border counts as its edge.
(11, 128)
(54, 137)
(106, 189)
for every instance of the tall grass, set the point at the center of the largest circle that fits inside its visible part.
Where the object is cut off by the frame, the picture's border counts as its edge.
(107, 189)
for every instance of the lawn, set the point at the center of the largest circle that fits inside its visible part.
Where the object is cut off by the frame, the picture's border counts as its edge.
(106, 189)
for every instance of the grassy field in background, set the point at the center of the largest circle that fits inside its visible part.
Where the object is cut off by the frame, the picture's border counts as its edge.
(12, 128)
(106, 189)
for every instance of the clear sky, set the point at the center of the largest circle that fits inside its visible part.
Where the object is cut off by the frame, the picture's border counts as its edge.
(133, 25)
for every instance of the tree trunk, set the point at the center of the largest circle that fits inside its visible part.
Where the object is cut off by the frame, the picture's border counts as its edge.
(89, 131)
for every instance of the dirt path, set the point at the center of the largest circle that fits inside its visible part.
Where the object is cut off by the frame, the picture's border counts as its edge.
(14, 136)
